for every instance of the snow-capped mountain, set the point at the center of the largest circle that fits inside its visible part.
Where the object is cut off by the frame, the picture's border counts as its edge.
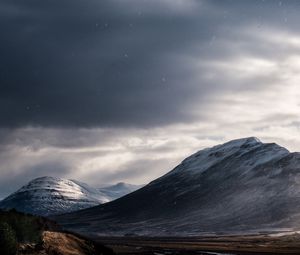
(49, 195)
(242, 185)
(119, 190)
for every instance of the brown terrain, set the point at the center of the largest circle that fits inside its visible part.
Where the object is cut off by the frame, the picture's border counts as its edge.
(58, 243)
(243, 245)
(39, 236)
(33, 235)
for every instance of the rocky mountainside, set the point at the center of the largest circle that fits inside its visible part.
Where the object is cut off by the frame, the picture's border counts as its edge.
(48, 195)
(240, 186)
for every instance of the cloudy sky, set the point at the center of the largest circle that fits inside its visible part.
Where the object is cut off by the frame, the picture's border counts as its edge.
(122, 90)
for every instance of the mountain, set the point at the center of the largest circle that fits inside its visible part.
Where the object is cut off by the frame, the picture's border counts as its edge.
(241, 186)
(50, 195)
(119, 190)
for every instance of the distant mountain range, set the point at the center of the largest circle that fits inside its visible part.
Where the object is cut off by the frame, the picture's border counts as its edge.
(49, 195)
(241, 186)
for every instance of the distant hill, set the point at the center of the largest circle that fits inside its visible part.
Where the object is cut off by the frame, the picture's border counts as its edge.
(49, 195)
(119, 190)
(244, 185)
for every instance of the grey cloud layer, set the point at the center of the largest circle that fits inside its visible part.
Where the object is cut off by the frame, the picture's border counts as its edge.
(111, 90)
(120, 63)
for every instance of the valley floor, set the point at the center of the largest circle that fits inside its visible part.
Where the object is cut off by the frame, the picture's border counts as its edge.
(229, 245)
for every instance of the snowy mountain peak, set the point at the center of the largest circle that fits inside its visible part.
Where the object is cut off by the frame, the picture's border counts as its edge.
(237, 144)
(51, 195)
(243, 141)
(115, 191)
(250, 147)
(48, 182)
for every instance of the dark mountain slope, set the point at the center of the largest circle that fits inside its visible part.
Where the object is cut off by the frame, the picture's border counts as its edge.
(242, 185)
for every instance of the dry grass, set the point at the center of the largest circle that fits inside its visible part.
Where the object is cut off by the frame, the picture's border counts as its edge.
(58, 243)
(66, 244)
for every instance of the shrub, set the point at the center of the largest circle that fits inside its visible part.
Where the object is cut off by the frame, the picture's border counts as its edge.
(26, 227)
(8, 241)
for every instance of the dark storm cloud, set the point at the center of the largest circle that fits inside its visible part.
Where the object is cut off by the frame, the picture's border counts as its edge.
(114, 63)
(113, 90)
(85, 65)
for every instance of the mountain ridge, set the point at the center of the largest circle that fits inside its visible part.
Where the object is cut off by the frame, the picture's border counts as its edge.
(241, 185)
